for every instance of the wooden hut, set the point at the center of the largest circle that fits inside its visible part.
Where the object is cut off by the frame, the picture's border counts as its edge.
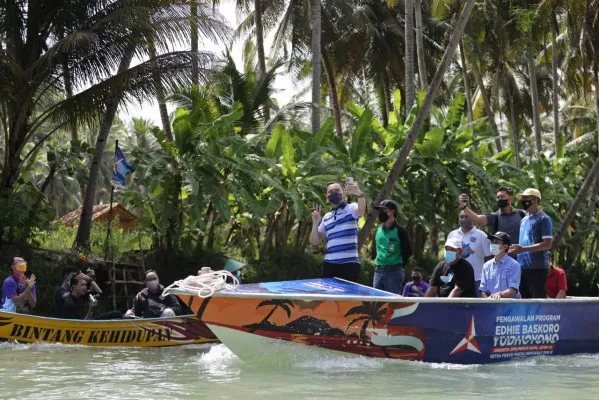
(123, 218)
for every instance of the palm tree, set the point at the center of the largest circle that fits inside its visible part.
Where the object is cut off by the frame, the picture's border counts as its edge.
(147, 37)
(315, 23)
(369, 312)
(285, 305)
(409, 49)
(423, 112)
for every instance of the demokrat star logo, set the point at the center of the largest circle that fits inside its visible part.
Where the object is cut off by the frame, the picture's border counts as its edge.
(468, 342)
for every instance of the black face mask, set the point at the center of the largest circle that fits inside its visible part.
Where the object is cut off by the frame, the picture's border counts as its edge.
(383, 217)
(526, 204)
(502, 203)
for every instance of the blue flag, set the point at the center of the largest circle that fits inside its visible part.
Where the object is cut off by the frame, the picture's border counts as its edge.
(120, 168)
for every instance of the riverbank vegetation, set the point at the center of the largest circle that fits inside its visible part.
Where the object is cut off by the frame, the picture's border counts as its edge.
(411, 107)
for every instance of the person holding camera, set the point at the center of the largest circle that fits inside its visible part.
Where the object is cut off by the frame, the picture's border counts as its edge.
(339, 227)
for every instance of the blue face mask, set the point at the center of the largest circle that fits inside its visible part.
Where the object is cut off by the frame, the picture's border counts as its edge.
(335, 198)
(450, 256)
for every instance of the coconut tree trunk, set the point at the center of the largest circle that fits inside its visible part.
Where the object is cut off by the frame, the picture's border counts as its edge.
(383, 103)
(260, 47)
(534, 94)
(420, 44)
(68, 89)
(166, 123)
(85, 222)
(487, 104)
(316, 68)
(559, 145)
(402, 156)
(328, 71)
(195, 68)
(582, 192)
(464, 69)
(513, 124)
(409, 56)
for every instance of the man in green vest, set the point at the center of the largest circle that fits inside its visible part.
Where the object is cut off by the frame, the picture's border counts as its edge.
(391, 249)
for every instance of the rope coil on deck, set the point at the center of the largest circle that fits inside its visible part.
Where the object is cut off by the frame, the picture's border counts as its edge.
(205, 284)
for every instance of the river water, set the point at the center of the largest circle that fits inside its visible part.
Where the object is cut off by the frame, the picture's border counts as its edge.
(52, 371)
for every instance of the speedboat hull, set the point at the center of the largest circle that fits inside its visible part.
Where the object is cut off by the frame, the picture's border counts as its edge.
(154, 332)
(341, 316)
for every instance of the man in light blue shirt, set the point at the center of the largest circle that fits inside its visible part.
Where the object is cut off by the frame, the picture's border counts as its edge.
(501, 275)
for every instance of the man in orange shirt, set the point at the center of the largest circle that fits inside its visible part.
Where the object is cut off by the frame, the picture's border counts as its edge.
(556, 284)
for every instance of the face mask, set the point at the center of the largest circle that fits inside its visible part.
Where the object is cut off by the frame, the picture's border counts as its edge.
(526, 204)
(502, 203)
(450, 256)
(335, 198)
(152, 285)
(383, 217)
(21, 268)
(495, 249)
(465, 223)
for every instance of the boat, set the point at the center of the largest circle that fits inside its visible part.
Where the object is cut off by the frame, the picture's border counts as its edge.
(263, 320)
(151, 332)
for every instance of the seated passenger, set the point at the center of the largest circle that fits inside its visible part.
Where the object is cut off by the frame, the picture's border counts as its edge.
(62, 291)
(80, 303)
(454, 276)
(18, 291)
(557, 284)
(75, 305)
(150, 303)
(501, 275)
(416, 287)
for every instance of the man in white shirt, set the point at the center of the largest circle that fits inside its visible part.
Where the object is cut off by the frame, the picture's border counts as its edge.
(475, 245)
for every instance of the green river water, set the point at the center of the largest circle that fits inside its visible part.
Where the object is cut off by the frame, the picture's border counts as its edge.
(45, 371)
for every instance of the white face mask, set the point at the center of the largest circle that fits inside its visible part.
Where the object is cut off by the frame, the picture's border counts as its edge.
(495, 249)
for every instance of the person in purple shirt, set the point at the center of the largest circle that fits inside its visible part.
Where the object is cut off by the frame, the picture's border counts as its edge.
(18, 291)
(416, 287)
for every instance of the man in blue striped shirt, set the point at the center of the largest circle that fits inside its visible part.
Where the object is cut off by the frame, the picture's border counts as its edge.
(339, 227)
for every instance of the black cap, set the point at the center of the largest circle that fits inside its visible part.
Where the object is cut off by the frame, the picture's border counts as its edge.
(388, 204)
(504, 237)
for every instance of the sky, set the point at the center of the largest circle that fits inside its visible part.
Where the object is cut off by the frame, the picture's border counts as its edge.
(283, 86)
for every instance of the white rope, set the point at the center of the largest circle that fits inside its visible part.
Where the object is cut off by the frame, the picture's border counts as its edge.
(205, 283)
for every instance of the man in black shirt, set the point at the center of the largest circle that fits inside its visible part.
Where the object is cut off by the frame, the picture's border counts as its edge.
(150, 303)
(74, 305)
(454, 276)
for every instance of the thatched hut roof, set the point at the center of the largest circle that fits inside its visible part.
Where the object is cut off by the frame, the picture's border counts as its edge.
(123, 218)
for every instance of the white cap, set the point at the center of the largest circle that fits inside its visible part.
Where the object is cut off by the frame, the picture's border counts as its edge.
(454, 242)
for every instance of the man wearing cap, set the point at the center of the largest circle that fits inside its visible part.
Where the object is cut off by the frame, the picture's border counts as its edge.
(454, 276)
(391, 249)
(475, 245)
(501, 275)
(506, 219)
(536, 236)
(18, 291)
(340, 229)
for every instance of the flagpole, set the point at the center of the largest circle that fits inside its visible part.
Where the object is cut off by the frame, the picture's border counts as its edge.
(116, 145)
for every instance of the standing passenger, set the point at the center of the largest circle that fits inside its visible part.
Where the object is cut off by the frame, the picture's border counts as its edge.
(506, 219)
(475, 245)
(340, 229)
(391, 249)
(536, 237)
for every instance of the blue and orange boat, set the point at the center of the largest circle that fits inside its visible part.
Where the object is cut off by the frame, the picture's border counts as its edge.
(262, 320)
